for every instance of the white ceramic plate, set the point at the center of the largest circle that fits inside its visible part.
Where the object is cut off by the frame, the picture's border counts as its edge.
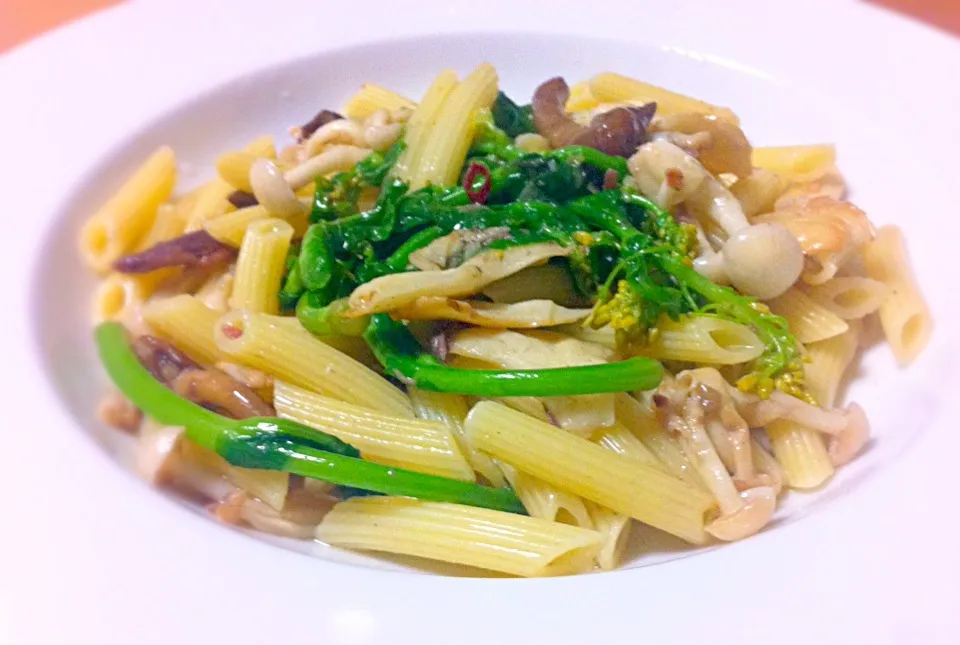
(91, 555)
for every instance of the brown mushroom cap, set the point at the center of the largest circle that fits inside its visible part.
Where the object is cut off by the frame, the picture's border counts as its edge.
(617, 132)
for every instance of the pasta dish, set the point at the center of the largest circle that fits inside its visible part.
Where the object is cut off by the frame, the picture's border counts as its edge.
(493, 334)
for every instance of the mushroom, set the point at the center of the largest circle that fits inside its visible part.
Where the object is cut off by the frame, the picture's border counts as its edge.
(213, 388)
(616, 132)
(197, 249)
(763, 260)
(157, 455)
(844, 446)
(164, 361)
(272, 190)
(275, 189)
(724, 149)
(758, 506)
(319, 120)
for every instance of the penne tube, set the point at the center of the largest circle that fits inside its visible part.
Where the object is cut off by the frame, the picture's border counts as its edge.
(478, 537)
(703, 339)
(187, 323)
(614, 88)
(119, 225)
(581, 98)
(546, 502)
(633, 415)
(797, 163)
(450, 137)
(215, 292)
(529, 405)
(371, 98)
(905, 315)
(545, 282)
(262, 146)
(414, 444)
(167, 225)
(850, 297)
(421, 124)
(574, 464)
(615, 529)
(622, 441)
(808, 319)
(801, 453)
(269, 486)
(283, 348)
(827, 362)
(234, 168)
(581, 414)
(231, 227)
(758, 192)
(120, 297)
(260, 266)
(400, 289)
(211, 203)
(522, 315)
(451, 410)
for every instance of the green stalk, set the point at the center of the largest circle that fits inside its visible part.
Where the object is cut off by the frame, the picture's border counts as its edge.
(328, 320)
(401, 355)
(279, 444)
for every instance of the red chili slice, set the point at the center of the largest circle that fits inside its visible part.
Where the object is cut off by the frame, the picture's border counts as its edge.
(477, 195)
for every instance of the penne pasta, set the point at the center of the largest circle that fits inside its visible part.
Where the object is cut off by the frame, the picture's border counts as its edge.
(758, 192)
(796, 163)
(581, 98)
(234, 167)
(546, 502)
(262, 146)
(121, 297)
(451, 135)
(615, 529)
(808, 319)
(451, 410)
(827, 362)
(371, 98)
(215, 292)
(703, 339)
(905, 315)
(615, 88)
(399, 289)
(574, 464)
(167, 225)
(211, 203)
(529, 405)
(231, 227)
(119, 225)
(414, 444)
(850, 297)
(622, 441)
(260, 266)
(269, 486)
(581, 414)
(545, 282)
(801, 453)
(634, 416)
(421, 124)
(187, 323)
(478, 537)
(522, 315)
(281, 347)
